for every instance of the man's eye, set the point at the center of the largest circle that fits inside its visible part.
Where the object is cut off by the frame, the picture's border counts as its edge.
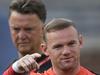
(57, 46)
(73, 43)
(16, 29)
(29, 29)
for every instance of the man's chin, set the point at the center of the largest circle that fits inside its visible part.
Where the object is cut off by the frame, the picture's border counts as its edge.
(25, 50)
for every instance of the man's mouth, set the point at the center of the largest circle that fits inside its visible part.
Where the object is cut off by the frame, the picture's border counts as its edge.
(23, 44)
(67, 59)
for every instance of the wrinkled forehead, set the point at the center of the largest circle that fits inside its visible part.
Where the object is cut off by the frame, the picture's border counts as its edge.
(66, 33)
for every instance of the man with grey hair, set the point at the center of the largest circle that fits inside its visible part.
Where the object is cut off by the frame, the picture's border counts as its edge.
(26, 23)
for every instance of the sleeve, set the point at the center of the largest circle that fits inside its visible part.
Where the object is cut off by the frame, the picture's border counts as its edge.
(10, 71)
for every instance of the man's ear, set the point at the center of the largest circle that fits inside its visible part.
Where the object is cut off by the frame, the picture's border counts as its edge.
(43, 47)
(81, 40)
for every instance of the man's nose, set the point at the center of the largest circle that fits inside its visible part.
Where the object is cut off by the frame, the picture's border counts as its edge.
(22, 34)
(66, 50)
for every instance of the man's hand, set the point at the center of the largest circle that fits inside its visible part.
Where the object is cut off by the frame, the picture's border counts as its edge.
(26, 63)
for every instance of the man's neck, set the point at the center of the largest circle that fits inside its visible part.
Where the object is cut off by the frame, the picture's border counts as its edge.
(20, 55)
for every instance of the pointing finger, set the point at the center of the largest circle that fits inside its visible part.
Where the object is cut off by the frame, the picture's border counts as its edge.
(35, 55)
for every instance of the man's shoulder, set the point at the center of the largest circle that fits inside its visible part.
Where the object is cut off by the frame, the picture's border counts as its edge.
(44, 62)
(97, 74)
